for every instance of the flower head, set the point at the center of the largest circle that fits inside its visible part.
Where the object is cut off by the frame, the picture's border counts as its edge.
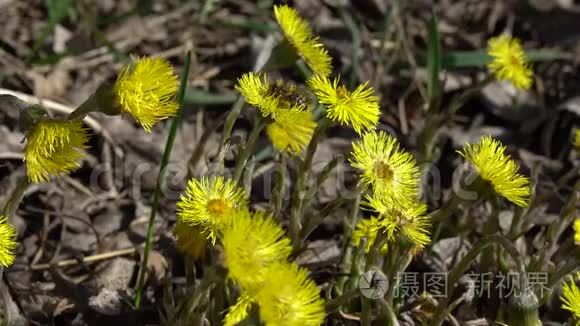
(299, 35)
(252, 242)
(389, 170)
(8, 242)
(54, 147)
(269, 97)
(577, 231)
(577, 139)
(409, 221)
(146, 89)
(509, 61)
(291, 131)
(358, 109)
(210, 202)
(488, 158)
(368, 229)
(289, 297)
(190, 239)
(571, 298)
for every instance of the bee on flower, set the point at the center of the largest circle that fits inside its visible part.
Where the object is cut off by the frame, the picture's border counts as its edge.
(270, 98)
(509, 61)
(390, 171)
(146, 89)
(497, 170)
(210, 203)
(571, 297)
(54, 147)
(8, 242)
(290, 297)
(358, 109)
(299, 35)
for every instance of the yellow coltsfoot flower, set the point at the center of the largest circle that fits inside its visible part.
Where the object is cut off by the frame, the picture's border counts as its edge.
(239, 311)
(252, 242)
(369, 230)
(577, 139)
(146, 89)
(210, 203)
(270, 98)
(8, 242)
(289, 297)
(409, 221)
(497, 169)
(291, 131)
(386, 168)
(509, 61)
(300, 36)
(571, 298)
(358, 109)
(54, 147)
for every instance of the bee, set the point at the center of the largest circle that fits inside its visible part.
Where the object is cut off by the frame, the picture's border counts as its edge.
(289, 93)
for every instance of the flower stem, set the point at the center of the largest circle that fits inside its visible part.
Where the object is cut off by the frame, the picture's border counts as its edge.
(299, 190)
(466, 261)
(244, 155)
(157, 192)
(12, 203)
(342, 300)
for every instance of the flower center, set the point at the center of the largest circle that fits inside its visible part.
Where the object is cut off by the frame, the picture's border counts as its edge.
(217, 206)
(342, 92)
(383, 171)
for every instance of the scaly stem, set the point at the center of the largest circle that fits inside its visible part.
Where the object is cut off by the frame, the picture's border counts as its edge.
(464, 264)
(301, 181)
(244, 155)
(342, 300)
(157, 192)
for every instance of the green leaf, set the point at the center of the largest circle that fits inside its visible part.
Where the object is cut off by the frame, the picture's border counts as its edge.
(201, 97)
(433, 64)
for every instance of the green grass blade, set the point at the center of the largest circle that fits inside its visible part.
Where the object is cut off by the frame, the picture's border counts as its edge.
(433, 64)
(480, 58)
(157, 192)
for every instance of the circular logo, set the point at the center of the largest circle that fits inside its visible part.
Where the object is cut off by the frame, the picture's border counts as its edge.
(373, 284)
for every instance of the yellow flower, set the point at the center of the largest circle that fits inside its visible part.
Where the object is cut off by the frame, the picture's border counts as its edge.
(577, 231)
(291, 131)
(251, 242)
(190, 239)
(270, 98)
(390, 171)
(299, 35)
(147, 90)
(410, 221)
(571, 298)
(509, 61)
(289, 297)
(368, 229)
(358, 109)
(54, 147)
(577, 139)
(8, 242)
(210, 203)
(496, 168)
(239, 311)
